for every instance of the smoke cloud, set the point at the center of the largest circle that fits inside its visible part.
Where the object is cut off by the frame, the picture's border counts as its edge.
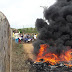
(58, 34)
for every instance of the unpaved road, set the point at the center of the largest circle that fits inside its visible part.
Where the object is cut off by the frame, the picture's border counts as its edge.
(20, 55)
(28, 48)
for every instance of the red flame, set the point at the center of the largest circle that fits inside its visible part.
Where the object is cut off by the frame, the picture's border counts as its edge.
(53, 58)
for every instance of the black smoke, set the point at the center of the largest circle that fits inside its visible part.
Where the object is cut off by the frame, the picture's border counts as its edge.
(58, 34)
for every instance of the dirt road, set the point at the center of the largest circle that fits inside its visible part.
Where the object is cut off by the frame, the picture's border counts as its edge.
(20, 55)
(28, 48)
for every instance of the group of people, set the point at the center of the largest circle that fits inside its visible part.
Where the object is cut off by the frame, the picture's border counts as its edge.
(24, 37)
(29, 37)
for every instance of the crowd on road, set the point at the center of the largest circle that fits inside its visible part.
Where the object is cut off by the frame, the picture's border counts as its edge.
(18, 37)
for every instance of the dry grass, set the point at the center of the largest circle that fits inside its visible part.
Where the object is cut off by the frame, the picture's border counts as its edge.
(19, 59)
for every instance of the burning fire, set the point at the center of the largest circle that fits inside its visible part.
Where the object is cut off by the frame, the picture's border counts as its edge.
(67, 57)
(52, 58)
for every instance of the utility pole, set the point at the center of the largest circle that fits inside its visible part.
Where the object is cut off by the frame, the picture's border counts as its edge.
(23, 26)
(23, 29)
(45, 8)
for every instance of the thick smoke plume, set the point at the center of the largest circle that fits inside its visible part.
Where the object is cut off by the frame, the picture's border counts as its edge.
(58, 34)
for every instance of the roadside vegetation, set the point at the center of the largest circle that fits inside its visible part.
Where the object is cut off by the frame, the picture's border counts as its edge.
(28, 30)
(19, 59)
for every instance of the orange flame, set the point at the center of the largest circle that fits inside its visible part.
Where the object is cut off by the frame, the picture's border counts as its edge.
(67, 57)
(53, 58)
(48, 57)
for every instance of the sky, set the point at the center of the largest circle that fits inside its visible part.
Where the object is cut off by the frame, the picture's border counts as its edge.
(23, 13)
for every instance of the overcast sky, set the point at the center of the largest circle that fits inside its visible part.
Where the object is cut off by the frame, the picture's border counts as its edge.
(23, 13)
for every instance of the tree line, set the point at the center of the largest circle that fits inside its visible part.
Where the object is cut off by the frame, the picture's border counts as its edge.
(28, 30)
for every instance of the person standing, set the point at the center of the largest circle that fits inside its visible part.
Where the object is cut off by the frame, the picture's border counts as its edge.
(16, 37)
(35, 36)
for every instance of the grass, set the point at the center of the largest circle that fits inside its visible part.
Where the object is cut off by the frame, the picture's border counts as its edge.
(19, 59)
(19, 49)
